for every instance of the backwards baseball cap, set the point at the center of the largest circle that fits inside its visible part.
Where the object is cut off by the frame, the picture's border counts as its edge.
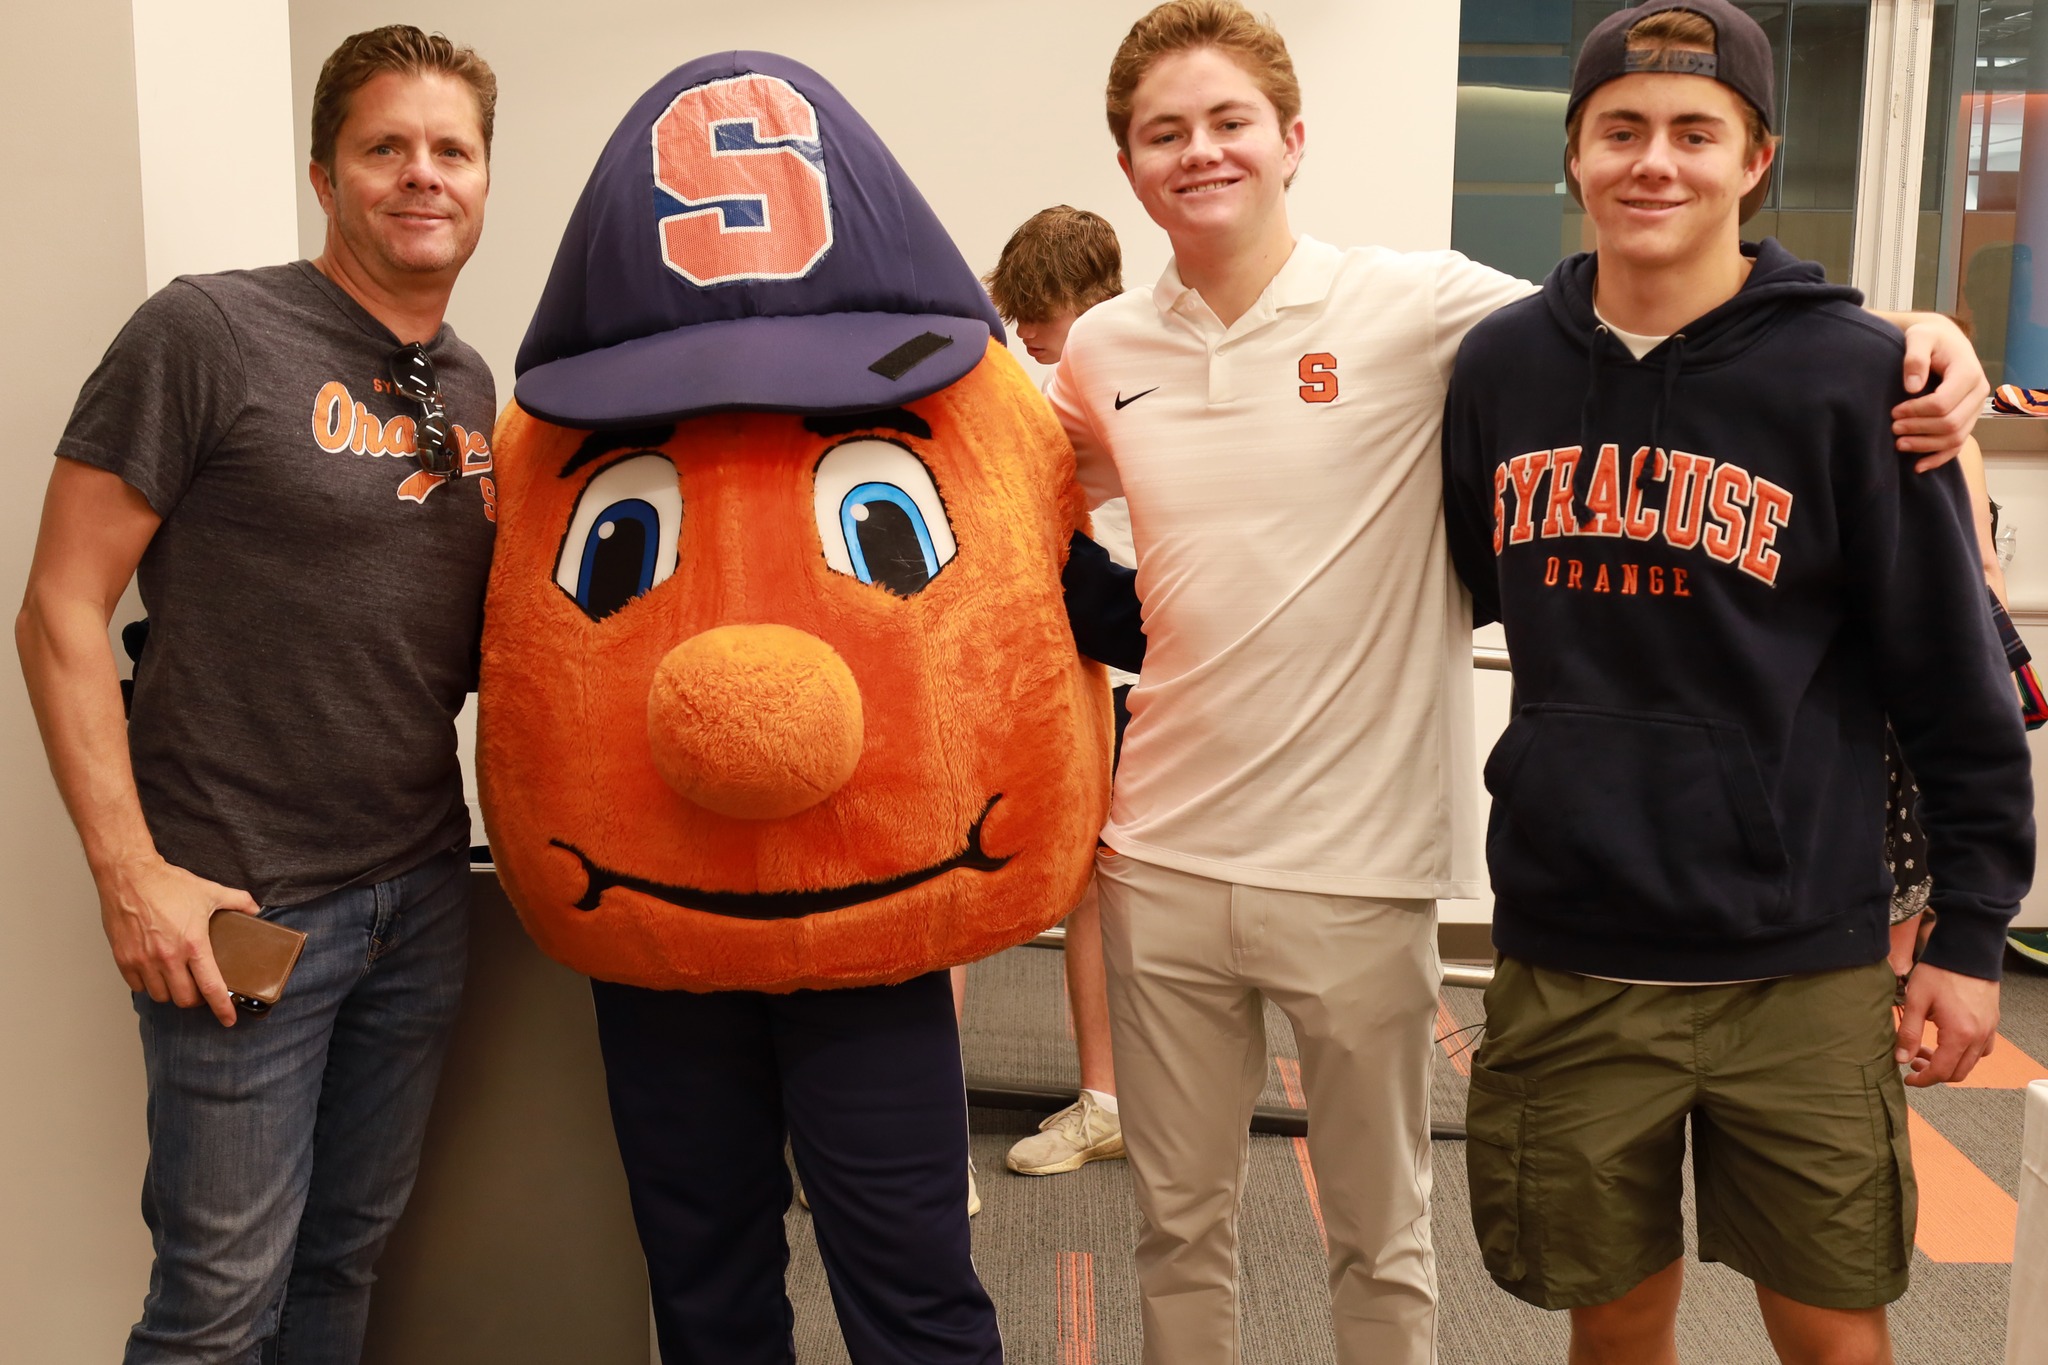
(1741, 59)
(746, 241)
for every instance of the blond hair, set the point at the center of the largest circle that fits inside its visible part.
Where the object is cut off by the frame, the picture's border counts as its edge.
(1183, 25)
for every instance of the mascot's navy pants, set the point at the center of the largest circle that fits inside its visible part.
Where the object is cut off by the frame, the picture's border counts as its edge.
(866, 1085)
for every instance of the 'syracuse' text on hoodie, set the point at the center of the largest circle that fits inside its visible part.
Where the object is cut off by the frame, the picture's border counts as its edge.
(1718, 579)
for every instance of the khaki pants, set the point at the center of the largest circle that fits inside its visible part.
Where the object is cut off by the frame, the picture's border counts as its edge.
(1188, 959)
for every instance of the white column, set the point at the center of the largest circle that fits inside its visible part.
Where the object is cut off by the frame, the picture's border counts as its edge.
(212, 75)
(213, 92)
(1888, 172)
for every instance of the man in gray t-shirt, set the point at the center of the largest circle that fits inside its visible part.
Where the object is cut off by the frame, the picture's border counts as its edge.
(314, 595)
(294, 463)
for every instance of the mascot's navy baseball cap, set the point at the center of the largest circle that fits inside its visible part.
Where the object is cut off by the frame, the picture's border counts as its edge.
(746, 241)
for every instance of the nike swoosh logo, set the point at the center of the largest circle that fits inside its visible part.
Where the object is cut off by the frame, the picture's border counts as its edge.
(1123, 402)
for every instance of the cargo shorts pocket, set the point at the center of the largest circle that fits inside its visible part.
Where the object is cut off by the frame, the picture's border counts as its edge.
(1897, 1212)
(1496, 1122)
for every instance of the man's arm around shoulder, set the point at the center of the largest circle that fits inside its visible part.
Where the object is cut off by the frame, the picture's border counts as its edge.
(1935, 424)
(95, 528)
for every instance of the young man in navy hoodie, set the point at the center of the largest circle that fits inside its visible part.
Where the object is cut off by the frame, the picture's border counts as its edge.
(1669, 476)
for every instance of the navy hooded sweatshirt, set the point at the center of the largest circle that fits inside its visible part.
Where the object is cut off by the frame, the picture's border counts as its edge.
(1718, 579)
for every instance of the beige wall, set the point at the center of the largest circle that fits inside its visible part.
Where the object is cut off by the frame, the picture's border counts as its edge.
(75, 1255)
(215, 72)
(107, 101)
(994, 108)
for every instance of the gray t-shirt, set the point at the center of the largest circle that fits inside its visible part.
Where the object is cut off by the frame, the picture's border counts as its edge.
(315, 600)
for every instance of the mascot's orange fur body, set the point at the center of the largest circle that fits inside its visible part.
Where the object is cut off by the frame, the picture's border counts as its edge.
(780, 692)
(763, 772)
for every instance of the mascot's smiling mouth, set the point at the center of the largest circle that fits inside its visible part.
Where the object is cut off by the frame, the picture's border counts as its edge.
(784, 904)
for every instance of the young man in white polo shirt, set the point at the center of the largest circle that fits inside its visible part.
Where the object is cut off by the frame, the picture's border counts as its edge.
(1292, 796)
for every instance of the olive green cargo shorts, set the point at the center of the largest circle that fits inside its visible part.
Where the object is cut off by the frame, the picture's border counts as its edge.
(1577, 1121)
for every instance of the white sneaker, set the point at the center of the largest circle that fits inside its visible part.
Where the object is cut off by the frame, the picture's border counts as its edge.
(1080, 1133)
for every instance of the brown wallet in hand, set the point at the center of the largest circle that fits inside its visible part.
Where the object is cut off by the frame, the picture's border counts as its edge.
(255, 957)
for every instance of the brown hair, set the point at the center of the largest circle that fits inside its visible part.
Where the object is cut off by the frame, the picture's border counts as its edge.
(1666, 31)
(1179, 25)
(1060, 259)
(406, 51)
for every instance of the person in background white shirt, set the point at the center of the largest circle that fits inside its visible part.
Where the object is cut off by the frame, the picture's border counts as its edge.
(1058, 264)
(1294, 799)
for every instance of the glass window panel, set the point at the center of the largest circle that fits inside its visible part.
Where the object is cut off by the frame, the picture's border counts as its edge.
(1823, 103)
(1984, 184)
(1510, 208)
(1927, 242)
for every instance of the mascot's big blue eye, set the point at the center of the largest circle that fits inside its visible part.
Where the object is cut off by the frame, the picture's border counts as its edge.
(886, 538)
(618, 559)
(621, 540)
(880, 517)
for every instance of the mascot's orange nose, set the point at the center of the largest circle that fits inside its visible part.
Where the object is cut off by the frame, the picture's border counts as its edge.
(755, 722)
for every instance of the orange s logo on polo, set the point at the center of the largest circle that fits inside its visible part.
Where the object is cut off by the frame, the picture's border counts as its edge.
(1318, 371)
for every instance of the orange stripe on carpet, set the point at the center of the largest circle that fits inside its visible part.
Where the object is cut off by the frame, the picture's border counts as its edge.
(2007, 1068)
(1077, 1307)
(1965, 1217)
(1290, 1083)
(1456, 1045)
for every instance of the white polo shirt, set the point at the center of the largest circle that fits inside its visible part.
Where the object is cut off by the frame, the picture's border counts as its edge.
(1304, 721)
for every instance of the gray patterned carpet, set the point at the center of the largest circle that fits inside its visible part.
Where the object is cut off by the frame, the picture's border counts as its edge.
(1055, 1251)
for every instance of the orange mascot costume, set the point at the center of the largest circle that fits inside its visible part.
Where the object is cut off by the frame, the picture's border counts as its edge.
(781, 713)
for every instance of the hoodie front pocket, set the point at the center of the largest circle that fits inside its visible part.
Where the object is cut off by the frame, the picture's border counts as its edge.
(1632, 820)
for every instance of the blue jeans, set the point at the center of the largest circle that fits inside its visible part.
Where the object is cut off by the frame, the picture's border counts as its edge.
(281, 1151)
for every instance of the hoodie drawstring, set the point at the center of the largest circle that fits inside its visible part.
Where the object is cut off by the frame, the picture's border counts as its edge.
(1592, 403)
(1674, 359)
